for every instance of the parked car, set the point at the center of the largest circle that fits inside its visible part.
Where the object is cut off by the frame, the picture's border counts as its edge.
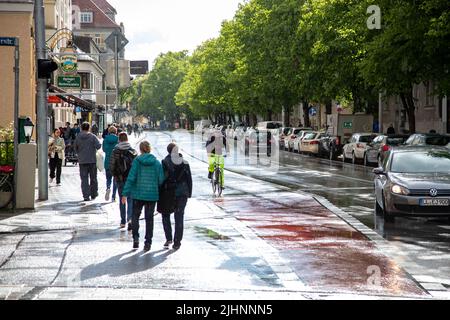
(432, 139)
(289, 139)
(298, 140)
(239, 132)
(413, 181)
(378, 148)
(310, 143)
(283, 134)
(330, 146)
(356, 148)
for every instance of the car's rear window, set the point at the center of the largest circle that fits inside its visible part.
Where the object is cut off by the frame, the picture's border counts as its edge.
(395, 141)
(310, 136)
(297, 131)
(366, 139)
(421, 162)
(286, 131)
(438, 140)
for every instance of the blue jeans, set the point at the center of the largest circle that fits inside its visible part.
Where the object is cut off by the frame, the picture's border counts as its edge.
(179, 221)
(126, 211)
(109, 181)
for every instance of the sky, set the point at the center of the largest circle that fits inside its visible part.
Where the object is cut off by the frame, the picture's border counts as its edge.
(155, 26)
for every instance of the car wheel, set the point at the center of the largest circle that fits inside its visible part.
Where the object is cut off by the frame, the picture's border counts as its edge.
(386, 215)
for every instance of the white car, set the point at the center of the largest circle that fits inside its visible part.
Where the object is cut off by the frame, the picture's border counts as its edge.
(310, 143)
(297, 141)
(289, 139)
(356, 148)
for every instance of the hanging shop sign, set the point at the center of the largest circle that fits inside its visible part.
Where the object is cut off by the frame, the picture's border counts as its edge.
(69, 61)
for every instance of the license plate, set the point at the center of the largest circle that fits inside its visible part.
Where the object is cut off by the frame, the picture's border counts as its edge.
(434, 202)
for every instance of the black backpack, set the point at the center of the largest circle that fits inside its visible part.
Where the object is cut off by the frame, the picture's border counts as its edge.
(125, 163)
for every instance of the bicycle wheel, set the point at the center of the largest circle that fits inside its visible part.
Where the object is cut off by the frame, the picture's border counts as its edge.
(214, 184)
(6, 194)
(219, 182)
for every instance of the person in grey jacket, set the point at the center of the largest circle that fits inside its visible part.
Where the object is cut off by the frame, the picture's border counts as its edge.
(86, 146)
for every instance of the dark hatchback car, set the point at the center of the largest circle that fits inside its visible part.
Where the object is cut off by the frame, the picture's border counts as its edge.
(428, 139)
(413, 181)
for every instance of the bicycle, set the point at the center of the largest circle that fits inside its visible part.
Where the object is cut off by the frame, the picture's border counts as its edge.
(6, 186)
(217, 178)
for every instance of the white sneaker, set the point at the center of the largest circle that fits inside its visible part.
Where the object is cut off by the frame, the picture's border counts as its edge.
(108, 192)
(51, 180)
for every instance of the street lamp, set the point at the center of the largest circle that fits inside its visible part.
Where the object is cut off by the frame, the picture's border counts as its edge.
(28, 127)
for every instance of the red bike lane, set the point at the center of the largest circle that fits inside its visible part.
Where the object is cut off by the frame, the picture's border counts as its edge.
(324, 251)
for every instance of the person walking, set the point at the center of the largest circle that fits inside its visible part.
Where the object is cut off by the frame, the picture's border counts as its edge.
(391, 129)
(86, 146)
(176, 171)
(142, 185)
(56, 147)
(121, 161)
(106, 131)
(109, 143)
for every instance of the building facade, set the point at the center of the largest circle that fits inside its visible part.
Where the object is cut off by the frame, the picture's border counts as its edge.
(16, 20)
(432, 111)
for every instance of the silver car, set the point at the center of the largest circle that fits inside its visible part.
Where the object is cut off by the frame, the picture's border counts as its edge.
(413, 181)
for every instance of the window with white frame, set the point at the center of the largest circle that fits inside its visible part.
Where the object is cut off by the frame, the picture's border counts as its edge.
(86, 17)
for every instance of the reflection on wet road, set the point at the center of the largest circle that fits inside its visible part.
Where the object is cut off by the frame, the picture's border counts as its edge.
(423, 244)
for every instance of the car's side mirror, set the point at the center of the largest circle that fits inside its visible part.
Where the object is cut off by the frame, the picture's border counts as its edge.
(379, 171)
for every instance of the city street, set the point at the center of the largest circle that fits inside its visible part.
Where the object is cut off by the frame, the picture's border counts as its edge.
(284, 234)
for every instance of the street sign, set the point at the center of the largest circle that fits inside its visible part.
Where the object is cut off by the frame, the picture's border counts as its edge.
(7, 41)
(313, 112)
(69, 81)
(121, 41)
(138, 67)
(348, 125)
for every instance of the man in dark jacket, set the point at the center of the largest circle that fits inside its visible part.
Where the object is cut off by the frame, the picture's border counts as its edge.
(177, 171)
(120, 165)
(86, 146)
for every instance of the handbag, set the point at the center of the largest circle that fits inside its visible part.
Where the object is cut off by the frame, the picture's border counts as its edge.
(100, 161)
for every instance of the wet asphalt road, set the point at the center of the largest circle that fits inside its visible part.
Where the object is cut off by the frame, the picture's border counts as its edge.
(421, 244)
(261, 240)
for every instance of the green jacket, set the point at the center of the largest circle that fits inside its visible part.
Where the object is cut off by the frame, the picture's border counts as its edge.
(109, 143)
(145, 178)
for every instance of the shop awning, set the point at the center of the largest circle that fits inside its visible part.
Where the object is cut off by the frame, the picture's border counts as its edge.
(86, 106)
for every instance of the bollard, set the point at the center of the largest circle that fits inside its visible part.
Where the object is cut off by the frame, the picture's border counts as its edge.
(26, 176)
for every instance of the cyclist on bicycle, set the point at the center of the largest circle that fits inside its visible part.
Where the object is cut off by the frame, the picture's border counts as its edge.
(216, 148)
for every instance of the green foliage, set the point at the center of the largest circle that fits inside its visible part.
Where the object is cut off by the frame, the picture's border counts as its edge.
(7, 145)
(275, 54)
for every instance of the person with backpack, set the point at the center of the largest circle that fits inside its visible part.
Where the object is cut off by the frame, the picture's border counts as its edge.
(142, 185)
(109, 143)
(122, 158)
(177, 190)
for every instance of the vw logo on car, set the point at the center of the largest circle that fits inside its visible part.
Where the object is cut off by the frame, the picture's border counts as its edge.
(433, 192)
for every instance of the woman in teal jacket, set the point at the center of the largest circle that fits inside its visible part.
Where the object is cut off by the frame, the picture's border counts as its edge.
(109, 143)
(143, 182)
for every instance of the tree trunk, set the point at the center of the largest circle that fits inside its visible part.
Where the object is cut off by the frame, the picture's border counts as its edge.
(408, 105)
(307, 121)
(287, 116)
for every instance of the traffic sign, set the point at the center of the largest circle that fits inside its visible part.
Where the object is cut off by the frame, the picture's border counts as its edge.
(313, 112)
(348, 125)
(69, 81)
(121, 41)
(7, 41)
